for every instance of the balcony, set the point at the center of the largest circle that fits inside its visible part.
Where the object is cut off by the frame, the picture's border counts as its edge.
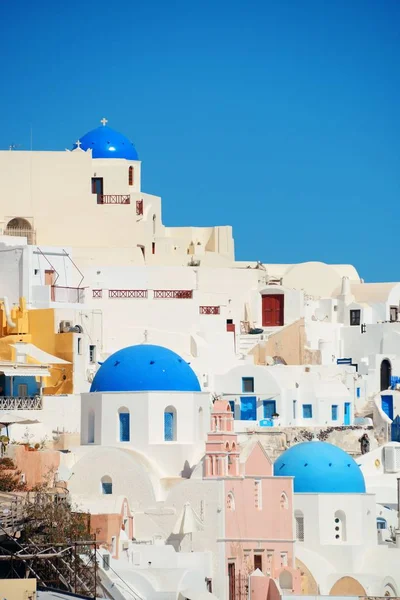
(113, 199)
(69, 295)
(209, 310)
(21, 403)
(174, 294)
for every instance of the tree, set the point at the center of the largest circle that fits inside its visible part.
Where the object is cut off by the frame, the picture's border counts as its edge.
(10, 477)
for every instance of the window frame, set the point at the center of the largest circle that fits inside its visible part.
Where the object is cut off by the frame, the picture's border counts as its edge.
(355, 317)
(334, 412)
(304, 409)
(245, 381)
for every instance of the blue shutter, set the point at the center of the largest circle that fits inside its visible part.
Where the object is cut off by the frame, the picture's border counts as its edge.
(248, 408)
(269, 407)
(169, 426)
(307, 411)
(232, 405)
(124, 433)
(107, 488)
(334, 412)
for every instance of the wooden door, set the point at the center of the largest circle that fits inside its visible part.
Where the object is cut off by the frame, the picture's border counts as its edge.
(272, 310)
(232, 581)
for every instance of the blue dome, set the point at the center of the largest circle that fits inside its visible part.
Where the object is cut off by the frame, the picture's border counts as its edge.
(320, 468)
(107, 143)
(145, 368)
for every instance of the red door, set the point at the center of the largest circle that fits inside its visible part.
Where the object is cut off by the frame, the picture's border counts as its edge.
(272, 310)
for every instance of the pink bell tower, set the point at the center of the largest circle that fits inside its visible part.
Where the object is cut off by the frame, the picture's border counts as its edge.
(222, 448)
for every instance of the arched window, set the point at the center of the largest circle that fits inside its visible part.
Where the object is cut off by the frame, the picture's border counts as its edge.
(386, 373)
(299, 519)
(284, 502)
(230, 501)
(124, 424)
(170, 424)
(286, 580)
(381, 523)
(340, 526)
(130, 175)
(91, 421)
(200, 426)
(21, 228)
(154, 224)
(106, 485)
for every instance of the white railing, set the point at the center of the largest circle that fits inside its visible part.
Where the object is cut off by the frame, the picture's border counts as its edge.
(67, 294)
(30, 234)
(21, 403)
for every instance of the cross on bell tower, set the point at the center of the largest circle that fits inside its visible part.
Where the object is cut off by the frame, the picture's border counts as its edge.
(104, 121)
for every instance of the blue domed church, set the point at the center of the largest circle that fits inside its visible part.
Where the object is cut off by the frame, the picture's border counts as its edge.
(148, 398)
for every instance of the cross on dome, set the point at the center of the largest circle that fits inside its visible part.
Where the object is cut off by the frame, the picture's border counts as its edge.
(78, 144)
(104, 121)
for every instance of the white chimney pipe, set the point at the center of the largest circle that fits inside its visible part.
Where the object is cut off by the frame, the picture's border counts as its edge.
(4, 300)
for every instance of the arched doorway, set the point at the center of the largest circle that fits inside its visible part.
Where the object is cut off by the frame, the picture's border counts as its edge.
(286, 581)
(386, 373)
(20, 227)
(347, 586)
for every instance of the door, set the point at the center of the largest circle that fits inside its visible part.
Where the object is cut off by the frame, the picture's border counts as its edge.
(272, 310)
(232, 581)
(395, 430)
(269, 408)
(97, 186)
(386, 372)
(387, 406)
(347, 407)
(258, 562)
(248, 408)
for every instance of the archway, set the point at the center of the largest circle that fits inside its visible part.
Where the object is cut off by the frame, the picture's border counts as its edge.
(309, 586)
(386, 373)
(347, 586)
(20, 227)
(286, 580)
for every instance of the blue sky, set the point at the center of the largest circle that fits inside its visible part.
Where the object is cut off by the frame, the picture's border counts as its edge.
(279, 117)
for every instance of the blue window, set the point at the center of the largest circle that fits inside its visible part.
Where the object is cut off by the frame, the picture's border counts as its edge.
(335, 412)
(347, 411)
(232, 405)
(106, 485)
(247, 385)
(170, 424)
(269, 407)
(307, 411)
(381, 523)
(358, 391)
(124, 427)
(248, 408)
(294, 408)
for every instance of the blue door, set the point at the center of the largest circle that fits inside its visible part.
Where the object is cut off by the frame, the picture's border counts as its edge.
(269, 407)
(395, 429)
(347, 407)
(248, 408)
(387, 406)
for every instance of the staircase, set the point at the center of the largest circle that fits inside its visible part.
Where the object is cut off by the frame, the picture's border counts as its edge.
(246, 342)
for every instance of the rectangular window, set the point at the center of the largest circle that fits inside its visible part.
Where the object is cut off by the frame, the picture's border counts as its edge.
(106, 487)
(124, 427)
(153, 247)
(307, 411)
(258, 562)
(92, 353)
(232, 405)
(97, 186)
(358, 392)
(294, 408)
(355, 317)
(394, 314)
(258, 494)
(300, 528)
(248, 408)
(247, 385)
(79, 345)
(335, 412)
(269, 408)
(284, 559)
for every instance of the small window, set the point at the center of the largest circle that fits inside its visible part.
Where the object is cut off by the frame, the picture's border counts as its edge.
(92, 353)
(97, 186)
(248, 384)
(230, 501)
(153, 247)
(79, 345)
(170, 424)
(394, 314)
(335, 412)
(130, 177)
(381, 523)
(284, 559)
(258, 562)
(307, 411)
(106, 485)
(358, 392)
(294, 408)
(355, 317)
(258, 494)
(299, 518)
(232, 405)
(124, 425)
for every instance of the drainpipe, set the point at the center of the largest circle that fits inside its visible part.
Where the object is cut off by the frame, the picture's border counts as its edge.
(4, 300)
(398, 514)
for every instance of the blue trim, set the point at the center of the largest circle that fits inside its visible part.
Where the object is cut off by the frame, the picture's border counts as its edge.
(106, 488)
(248, 408)
(124, 427)
(307, 411)
(247, 380)
(232, 405)
(169, 426)
(335, 410)
(269, 408)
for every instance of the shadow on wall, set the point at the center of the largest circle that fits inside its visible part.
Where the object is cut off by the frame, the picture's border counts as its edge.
(187, 470)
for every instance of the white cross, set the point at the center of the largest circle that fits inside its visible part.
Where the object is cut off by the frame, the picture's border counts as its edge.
(78, 144)
(104, 121)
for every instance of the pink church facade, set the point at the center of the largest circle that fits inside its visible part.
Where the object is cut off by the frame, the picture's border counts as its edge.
(258, 511)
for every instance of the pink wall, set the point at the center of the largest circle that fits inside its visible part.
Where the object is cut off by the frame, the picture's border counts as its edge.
(39, 466)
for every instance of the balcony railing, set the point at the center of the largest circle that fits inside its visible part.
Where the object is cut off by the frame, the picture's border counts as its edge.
(21, 403)
(209, 310)
(67, 294)
(127, 293)
(175, 294)
(30, 234)
(113, 199)
(97, 293)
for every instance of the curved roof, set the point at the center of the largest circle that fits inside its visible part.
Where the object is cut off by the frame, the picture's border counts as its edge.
(321, 468)
(105, 142)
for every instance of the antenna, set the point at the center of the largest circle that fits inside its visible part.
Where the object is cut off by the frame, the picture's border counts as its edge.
(31, 138)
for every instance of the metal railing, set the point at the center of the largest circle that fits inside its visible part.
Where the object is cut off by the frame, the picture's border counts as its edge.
(30, 234)
(209, 310)
(139, 207)
(67, 294)
(113, 199)
(175, 294)
(21, 403)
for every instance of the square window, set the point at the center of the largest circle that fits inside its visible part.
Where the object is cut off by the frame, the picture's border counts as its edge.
(355, 317)
(307, 411)
(248, 385)
(335, 412)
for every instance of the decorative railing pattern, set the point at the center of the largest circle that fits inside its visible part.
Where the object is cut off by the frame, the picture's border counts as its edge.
(113, 199)
(21, 403)
(175, 294)
(30, 234)
(97, 293)
(209, 310)
(127, 293)
(67, 294)
(139, 207)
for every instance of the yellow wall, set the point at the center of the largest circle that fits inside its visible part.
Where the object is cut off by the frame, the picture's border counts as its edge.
(18, 589)
(347, 586)
(38, 327)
